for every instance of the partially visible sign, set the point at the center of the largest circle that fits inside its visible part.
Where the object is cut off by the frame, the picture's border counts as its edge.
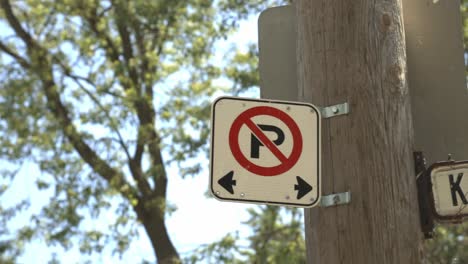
(450, 190)
(436, 76)
(436, 71)
(265, 151)
(277, 52)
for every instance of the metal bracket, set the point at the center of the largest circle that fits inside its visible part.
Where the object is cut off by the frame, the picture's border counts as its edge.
(335, 110)
(424, 189)
(335, 199)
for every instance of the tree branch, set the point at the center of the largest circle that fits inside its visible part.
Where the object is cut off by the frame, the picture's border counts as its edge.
(144, 66)
(55, 105)
(145, 110)
(148, 89)
(15, 24)
(112, 51)
(113, 126)
(110, 48)
(46, 22)
(44, 70)
(136, 172)
(139, 148)
(122, 17)
(22, 61)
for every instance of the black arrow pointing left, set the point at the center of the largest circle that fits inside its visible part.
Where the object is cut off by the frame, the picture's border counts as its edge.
(227, 182)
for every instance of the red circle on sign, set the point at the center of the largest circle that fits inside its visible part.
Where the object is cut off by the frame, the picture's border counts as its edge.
(245, 118)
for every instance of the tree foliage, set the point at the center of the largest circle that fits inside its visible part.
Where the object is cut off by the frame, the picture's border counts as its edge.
(277, 237)
(96, 92)
(101, 95)
(449, 245)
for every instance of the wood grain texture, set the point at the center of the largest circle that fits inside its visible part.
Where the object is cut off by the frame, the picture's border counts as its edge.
(354, 51)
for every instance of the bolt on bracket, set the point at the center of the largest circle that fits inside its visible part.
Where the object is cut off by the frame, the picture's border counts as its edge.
(335, 110)
(335, 199)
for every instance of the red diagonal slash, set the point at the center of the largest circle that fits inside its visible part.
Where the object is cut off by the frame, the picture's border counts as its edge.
(245, 118)
(266, 141)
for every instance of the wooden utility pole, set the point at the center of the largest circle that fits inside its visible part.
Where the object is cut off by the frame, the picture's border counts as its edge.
(354, 51)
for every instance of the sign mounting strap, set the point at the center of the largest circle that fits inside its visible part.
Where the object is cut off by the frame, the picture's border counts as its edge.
(335, 110)
(335, 199)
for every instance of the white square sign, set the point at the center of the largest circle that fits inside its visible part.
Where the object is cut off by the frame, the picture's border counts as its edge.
(265, 151)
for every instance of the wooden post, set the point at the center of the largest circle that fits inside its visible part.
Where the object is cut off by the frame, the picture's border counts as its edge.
(354, 51)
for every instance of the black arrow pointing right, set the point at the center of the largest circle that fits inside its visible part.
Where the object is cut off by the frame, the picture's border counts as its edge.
(227, 182)
(302, 187)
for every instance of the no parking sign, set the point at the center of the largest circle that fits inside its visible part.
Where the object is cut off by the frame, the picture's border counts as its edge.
(265, 151)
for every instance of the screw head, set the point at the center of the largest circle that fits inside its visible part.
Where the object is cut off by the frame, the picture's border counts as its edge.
(336, 199)
(335, 110)
(242, 194)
